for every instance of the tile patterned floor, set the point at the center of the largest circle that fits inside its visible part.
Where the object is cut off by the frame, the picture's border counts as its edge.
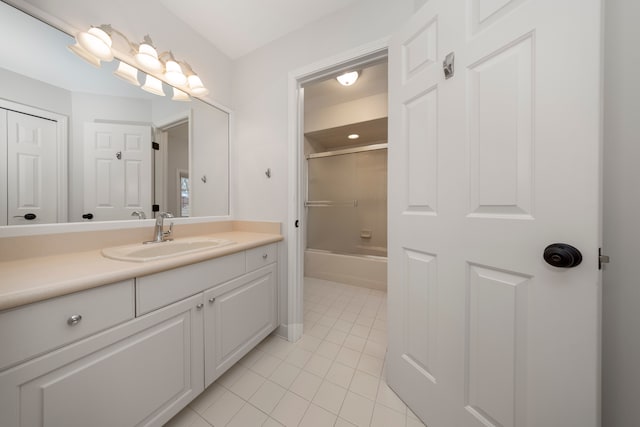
(333, 376)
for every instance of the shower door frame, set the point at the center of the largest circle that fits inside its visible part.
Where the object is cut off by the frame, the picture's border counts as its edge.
(360, 56)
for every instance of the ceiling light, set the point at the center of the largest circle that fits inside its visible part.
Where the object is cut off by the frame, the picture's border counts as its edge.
(153, 85)
(353, 136)
(179, 95)
(147, 56)
(347, 79)
(127, 73)
(97, 42)
(196, 86)
(173, 73)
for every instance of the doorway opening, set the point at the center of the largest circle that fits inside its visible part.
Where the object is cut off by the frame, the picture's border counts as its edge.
(172, 184)
(345, 147)
(304, 141)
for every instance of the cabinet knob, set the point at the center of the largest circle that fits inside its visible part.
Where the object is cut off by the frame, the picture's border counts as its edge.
(74, 320)
(199, 306)
(212, 300)
(264, 256)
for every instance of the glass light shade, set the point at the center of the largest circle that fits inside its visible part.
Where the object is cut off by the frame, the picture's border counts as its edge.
(153, 85)
(196, 86)
(127, 73)
(173, 73)
(147, 57)
(179, 95)
(96, 42)
(347, 79)
(84, 54)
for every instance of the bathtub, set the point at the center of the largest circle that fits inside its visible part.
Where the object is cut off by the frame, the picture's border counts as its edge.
(368, 271)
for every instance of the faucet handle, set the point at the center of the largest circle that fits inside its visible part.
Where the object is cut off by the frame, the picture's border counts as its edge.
(168, 233)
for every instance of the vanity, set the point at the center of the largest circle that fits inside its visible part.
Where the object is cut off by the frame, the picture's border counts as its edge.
(93, 341)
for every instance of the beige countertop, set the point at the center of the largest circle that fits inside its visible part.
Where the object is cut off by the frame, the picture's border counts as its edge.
(28, 280)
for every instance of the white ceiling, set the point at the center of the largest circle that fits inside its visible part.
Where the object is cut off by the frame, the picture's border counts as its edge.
(238, 27)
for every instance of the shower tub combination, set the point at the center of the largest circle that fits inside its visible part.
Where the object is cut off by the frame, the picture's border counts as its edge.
(347, 216)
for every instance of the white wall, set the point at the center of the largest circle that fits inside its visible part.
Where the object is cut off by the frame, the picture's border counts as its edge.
(260, 96)
(621, 290)
(359, 110)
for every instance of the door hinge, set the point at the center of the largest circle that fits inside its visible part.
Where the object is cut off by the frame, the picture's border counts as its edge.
(155, 145)
(602, 259)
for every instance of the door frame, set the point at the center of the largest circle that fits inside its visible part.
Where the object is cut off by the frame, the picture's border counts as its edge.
(62, 144)
(160, 162)
(297, 173)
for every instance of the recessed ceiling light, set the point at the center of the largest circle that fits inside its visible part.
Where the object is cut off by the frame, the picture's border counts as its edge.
(353, 136)
(347, 79)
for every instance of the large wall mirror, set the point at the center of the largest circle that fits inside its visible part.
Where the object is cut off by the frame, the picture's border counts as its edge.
(78, 144)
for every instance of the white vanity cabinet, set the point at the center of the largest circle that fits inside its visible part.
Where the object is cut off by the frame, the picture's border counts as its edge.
(136, 352)
(238, 315)
(139, 373)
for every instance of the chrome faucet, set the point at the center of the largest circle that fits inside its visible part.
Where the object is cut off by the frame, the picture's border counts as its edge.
(139, 214)
(159, 235)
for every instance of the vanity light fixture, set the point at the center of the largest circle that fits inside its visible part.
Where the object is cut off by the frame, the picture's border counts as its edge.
(353, 136)
(347, 79)
(179, 95)
(84, 54)
(95, 45)
(127, 73)
(173, 72)
(153, 85)
(147, 56)
(97, 42)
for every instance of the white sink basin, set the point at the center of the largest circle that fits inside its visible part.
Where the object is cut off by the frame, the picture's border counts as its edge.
(141, 252)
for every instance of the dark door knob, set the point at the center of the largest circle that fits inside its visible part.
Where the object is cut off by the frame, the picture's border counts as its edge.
(562, 255)
(28, 216)
(87, 216)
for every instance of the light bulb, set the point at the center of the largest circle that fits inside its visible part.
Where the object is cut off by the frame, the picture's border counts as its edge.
(127, 73)
(96, 42)
(196, 86)
(153, 85)
(173, 73)
(347, 79)
(147, 57)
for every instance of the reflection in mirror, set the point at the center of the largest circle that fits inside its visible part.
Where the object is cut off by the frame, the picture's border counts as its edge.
(78, 144)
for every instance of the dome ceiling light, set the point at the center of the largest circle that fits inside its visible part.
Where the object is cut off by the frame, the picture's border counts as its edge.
(347, 79)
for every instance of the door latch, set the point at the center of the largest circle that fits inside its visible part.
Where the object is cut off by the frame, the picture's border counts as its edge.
(602, 259)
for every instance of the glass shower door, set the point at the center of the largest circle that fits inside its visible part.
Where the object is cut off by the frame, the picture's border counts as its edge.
(347, 203)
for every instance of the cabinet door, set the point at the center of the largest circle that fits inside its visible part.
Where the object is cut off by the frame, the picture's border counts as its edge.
(238, 315)
(138, 374)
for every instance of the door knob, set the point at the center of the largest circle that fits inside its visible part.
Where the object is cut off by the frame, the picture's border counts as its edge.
(28, 216)
(562, 255)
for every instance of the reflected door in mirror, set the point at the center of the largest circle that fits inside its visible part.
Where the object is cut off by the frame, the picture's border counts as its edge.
(117, 170)
(29, 163)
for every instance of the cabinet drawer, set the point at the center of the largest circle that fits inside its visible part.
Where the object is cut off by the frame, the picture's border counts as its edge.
(161, 289)
(32, 329)
(259, 257)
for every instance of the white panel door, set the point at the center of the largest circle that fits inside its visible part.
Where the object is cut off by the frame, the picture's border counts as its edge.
(489, 167)
(117, 174)
(32, 172)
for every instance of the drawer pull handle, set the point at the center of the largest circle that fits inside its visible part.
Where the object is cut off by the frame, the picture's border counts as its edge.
(212, 300)
(199, 306)
(74, 320)
(264, 256)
